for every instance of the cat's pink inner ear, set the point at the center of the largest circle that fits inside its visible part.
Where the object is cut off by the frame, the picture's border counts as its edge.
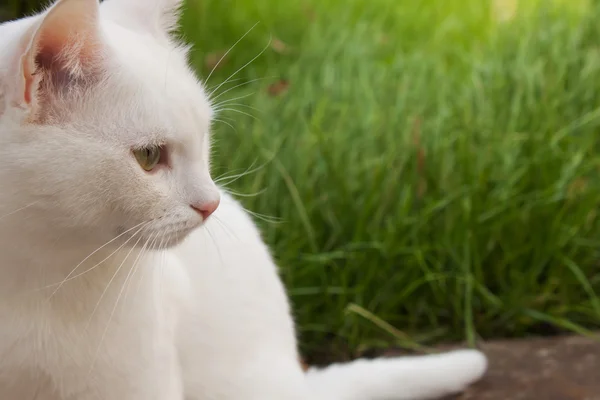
(67, 40)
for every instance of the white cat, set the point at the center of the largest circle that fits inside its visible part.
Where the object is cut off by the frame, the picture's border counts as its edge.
(111, 288)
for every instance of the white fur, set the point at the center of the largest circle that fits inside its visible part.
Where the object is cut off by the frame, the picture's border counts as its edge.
(174, 308)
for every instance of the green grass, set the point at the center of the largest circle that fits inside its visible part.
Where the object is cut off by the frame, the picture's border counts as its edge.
(12, 9)
(433, 172)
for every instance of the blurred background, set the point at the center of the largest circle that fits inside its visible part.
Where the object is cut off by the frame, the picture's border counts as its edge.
(425, 171)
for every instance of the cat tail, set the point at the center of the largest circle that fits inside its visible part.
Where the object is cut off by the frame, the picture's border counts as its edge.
(404, 378)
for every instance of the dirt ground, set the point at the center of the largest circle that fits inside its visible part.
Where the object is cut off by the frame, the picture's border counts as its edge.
(558, 368)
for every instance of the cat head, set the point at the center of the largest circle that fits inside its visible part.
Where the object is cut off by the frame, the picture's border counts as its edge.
(104, 129)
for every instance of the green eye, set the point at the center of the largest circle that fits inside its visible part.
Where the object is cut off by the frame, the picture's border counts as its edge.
(148, 157)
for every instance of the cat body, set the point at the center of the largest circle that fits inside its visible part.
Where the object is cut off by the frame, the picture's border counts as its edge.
(114, 281)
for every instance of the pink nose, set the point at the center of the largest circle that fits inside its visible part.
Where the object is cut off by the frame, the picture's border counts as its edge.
(206, 209)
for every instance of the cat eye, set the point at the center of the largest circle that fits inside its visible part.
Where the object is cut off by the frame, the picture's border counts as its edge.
(148, 157)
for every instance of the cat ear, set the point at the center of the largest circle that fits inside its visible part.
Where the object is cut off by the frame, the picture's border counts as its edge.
(156, 17)
(63, 48)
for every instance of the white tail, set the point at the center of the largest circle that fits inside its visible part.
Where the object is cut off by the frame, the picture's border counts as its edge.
(405, 378)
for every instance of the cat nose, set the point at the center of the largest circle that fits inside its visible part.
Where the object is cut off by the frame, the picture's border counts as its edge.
(206, 209)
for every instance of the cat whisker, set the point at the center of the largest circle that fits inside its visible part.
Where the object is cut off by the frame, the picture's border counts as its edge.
(239, 112)
(267, 218)
(239, 194)
(241, 68)
(148, 248)
(134, 269)
(160, 244)
(209, 89)
(224, 176)
(167, 241)
(226, 119)
(217, 105)
(115, 306)
(70, 277)
(228, 51)
(19, 210)
(240, 105)
(160, 271)
(111, 281)
(215, 243)
(236, 110)
(240, 85)
(135, 263)
(225, 227)
(161, 266)
(226, 123)
(232, 178)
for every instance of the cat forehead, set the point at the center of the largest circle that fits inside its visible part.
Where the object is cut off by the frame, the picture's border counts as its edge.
(150, 64)
(163, 94)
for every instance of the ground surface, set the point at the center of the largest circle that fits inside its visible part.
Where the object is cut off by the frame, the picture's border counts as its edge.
(559, 368)
(541, 369)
